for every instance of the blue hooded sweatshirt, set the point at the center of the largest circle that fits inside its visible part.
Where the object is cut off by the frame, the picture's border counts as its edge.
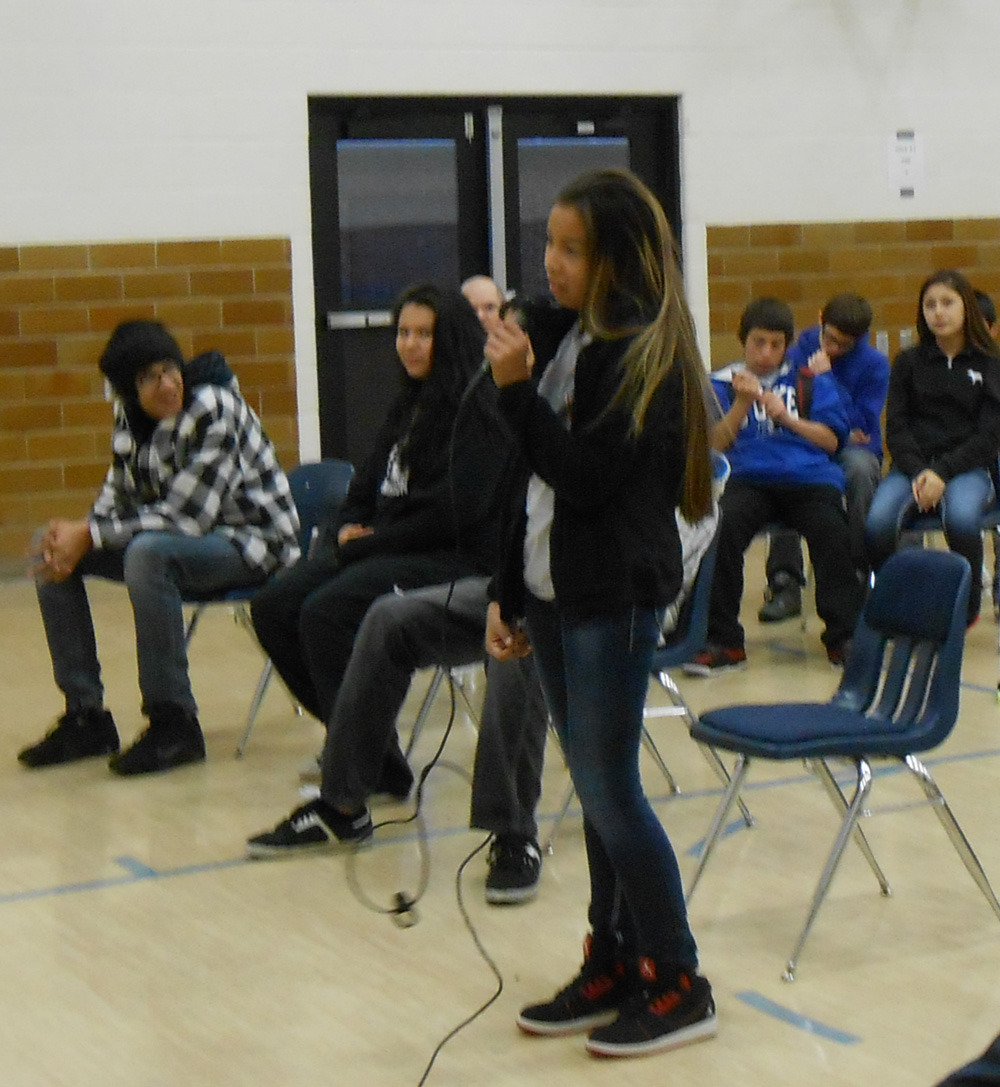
(765, 452)
(862, 377)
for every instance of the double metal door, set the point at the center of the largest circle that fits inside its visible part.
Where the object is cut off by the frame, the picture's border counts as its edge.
(410, 190)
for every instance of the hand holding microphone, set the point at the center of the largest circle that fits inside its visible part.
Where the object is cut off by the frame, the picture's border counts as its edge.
(508, 350)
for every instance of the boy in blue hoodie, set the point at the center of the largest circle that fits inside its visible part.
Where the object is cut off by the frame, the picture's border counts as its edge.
(838, 345)
(781, 431)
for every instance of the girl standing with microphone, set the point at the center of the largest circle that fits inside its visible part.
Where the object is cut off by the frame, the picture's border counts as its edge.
(613, 425)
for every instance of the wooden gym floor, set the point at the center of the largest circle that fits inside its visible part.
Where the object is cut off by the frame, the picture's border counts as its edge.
(140, 948)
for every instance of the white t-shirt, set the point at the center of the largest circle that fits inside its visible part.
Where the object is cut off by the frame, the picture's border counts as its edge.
(556, 386)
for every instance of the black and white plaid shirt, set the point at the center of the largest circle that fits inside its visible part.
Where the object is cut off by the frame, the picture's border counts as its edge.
(211, 468)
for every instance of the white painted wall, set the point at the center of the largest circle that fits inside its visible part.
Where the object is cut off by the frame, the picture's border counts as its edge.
(124, 119)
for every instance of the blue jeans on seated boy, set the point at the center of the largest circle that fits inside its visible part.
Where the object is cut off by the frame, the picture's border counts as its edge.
(966, 498)
(159, 569)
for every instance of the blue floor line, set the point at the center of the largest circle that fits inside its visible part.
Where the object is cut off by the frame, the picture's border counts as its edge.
(802, 1022)
(137, 870)
(733, 828)
(979, 687)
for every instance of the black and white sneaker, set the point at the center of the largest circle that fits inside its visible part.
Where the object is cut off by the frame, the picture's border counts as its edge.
(515, 867)
(314, 827)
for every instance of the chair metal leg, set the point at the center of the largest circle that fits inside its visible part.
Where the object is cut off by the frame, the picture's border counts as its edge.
(258, 697)
(425, 708)
(954, 831)
(563, 809)
(835, 793)
(719, 819)
(192, 624)
(864, 785)
(680, 708)
(654, 752)
(459, 685)
(714, 760)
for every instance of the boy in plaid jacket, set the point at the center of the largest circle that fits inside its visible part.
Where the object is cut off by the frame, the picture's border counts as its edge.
(194, 503)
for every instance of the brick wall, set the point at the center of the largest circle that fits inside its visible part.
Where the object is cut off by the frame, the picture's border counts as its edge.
(806, 263)
(58, 304)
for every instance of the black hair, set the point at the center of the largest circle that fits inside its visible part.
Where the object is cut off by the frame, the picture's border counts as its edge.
(132, 346)
(770, 314)
(428, 405)
(848, 313)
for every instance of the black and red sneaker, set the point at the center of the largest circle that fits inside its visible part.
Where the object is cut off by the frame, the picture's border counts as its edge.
(713, 660)
(660, 1015)
(590, 1000)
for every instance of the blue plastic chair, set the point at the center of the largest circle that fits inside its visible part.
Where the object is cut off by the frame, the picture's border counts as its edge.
(318, 489)
(899, 695)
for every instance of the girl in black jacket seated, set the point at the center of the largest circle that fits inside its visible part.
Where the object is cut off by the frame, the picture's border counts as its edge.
(418, 512)
(942, 428)
(613, 424)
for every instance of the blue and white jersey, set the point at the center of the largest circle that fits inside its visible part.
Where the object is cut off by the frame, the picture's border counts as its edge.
(766, 452)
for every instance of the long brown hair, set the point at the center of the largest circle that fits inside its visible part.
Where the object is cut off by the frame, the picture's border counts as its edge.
(635, 290)
(974, 326)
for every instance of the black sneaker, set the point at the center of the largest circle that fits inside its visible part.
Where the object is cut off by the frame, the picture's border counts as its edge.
(658, 1017)
(713, 660)
(782, 599)
(590, 1000)
(515, 867)
(78, 734)
(172, 739)
(314, 826)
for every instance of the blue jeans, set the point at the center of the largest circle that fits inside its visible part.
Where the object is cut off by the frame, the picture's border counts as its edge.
(966, 498)
(158, 569)
(595, 674)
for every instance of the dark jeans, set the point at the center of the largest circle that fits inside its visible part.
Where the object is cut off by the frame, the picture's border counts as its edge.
(815, 512)
(158, 569)
(862, 473)
(308, 617)
(595, 675)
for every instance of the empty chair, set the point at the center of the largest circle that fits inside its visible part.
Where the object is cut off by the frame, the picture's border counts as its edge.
(899, 696)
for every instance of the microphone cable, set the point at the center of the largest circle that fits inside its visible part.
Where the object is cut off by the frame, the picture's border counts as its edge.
(403, 908)
(483, 954)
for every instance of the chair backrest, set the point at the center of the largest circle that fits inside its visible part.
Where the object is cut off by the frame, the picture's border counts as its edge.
(905, 663)
(318, 488)
(691, 632)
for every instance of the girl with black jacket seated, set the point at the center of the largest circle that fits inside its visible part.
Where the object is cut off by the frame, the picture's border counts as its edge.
(418, 512)
(942, 428)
